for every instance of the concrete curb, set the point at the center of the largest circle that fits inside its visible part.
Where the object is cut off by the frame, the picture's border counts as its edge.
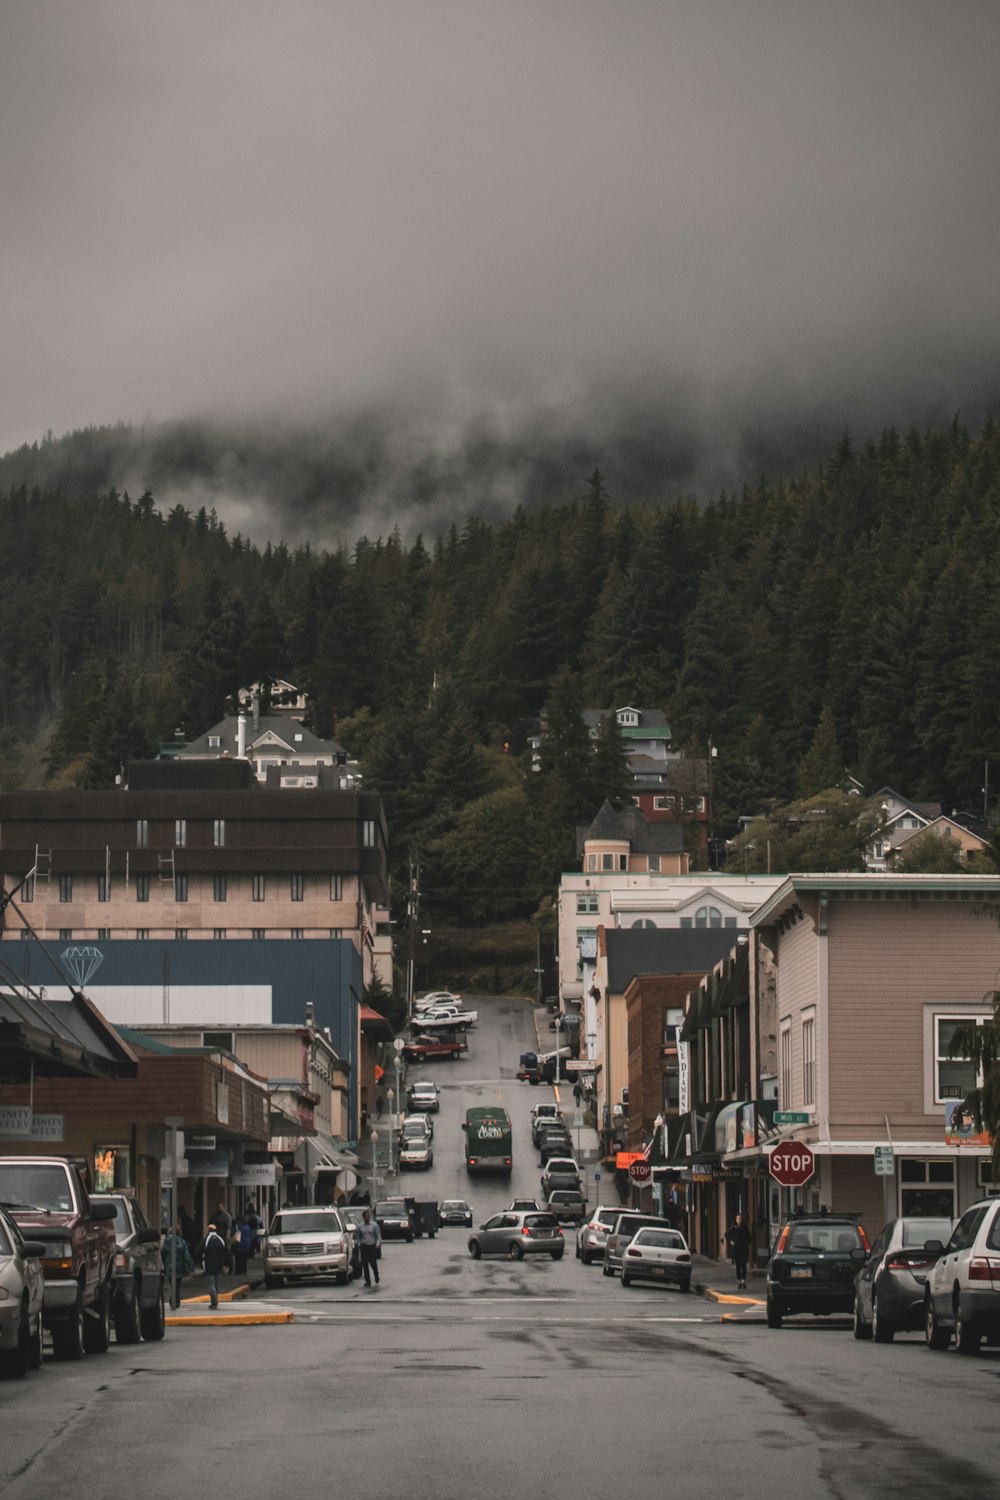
(730, 1298)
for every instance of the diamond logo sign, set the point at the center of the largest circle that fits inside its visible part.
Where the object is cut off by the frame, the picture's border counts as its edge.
(82, 963)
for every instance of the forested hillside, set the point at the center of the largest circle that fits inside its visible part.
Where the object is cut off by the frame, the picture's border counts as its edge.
(866, 588)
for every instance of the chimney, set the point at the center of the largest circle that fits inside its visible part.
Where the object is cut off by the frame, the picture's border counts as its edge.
(241, 736)
(256, 714)
(310, 1014)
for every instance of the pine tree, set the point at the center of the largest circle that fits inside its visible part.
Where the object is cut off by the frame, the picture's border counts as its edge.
(823, 763)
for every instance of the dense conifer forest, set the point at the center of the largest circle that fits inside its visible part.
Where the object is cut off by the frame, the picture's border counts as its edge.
(850, 610)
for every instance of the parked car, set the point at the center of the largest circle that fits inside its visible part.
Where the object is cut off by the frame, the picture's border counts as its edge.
(554, 1143)
(812, 1269)
(303, 1242)
(448, 1019)
(889, 1288)
(620, 1235)
(592, 1235)
(517, 1235)
(543, 1124)
(429, 1044)
(418, 1125)
(415, 1150)
(568, 1205)
(436, 997)
(138, 1300)
(454, 1211)
(48, 1200)
(560, 1172)
(393, 1218)
(423, 1097)
(22, 1294)
(659, 1254)
(545, 1109)
(962, 1295)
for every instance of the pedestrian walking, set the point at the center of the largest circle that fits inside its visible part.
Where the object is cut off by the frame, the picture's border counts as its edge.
(216, 1259)
(738, 1240)
(177, 1262)
(369, 1238)
(223, 1220)
(379, 1107)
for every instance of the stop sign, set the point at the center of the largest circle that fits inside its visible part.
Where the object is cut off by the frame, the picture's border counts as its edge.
(640, 1172)
(792, 1163)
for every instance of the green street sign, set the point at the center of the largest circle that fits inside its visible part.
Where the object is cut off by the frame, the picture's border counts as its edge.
(791, 1117)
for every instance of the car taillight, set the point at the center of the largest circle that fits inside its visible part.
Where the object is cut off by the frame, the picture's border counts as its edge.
(120, 1259)
(526, 1230)
(984, 1268)
(506, 1161)
(630, 1251)
(472, 1161)
(903, 1262)
(783, 1240)
(558, 1229)
(681, 1259)
(58, 1266)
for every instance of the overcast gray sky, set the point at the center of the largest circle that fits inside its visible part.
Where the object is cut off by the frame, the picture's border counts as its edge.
(757, 212)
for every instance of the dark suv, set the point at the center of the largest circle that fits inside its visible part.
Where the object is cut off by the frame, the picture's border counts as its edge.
(813, 1265)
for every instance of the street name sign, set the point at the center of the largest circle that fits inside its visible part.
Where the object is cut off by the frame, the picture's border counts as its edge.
(792, 1163)
(791, 1117)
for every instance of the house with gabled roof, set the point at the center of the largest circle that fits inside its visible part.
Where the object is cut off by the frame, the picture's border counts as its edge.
(901, 819)
(276, 743)
(965, 843)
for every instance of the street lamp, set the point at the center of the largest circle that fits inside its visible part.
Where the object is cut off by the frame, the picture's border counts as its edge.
(374, 1141)
(390, 1096)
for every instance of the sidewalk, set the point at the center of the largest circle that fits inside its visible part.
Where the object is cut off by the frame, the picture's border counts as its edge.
(236, 1308)
(716, 1281)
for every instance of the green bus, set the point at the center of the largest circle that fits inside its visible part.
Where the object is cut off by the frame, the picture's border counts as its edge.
(487, 1140)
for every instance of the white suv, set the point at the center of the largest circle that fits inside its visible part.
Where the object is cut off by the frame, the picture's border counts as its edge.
(962, 1295)
(308, 1242)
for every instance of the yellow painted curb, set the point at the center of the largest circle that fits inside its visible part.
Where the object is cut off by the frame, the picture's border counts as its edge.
(727, 1297)
(238, 1320)
(237, 1291)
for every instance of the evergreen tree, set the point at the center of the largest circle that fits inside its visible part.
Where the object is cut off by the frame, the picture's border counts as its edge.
(823, 763)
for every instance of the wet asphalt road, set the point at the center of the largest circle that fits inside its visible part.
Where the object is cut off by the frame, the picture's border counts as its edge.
(458, 1379)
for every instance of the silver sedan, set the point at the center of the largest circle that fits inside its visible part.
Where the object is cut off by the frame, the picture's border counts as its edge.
(22, 1288)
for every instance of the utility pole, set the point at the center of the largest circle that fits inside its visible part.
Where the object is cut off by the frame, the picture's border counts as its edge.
(412, 913)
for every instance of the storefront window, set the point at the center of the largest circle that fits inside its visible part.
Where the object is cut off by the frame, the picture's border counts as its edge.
(927, 1188)
(111, 1168)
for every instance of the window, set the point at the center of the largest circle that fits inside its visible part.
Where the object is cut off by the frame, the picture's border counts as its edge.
(27, 891)
(809, 1060)
(687, 921)
(587, 901)
(181, 933)
(927, 1187)
(65, 888)
(142, 934)
(142, 887)
(368, 833)
(219, 833)
(708, 916)
(607, 861)
(628, 718)
(215, 742)
(104, 934)
(25, 934)
(180, 887)
(257, 934)
(785, 1065)
(298, 887)
(141, 833)
(654, 862)
(65, 934)
(298, 932)
(180, 832)
(220, 885)
(643, 922)
(336, 932)
(664, 804)
(219, 933)
(223, 1040)
(591, 861)
(258, 887)
(729, 921)
(953, 1076)
(103, 888)
(336, 887)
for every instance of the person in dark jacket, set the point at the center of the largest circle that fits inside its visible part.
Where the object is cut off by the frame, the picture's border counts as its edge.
(216, 1260)
(738, 1239)
(175, 1255)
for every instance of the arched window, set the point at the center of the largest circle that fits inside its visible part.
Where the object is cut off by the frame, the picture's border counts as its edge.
(708, 916)
(643, 922)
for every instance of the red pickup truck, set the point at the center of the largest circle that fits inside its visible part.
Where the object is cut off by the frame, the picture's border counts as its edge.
(434, 1046)
(48, 1199)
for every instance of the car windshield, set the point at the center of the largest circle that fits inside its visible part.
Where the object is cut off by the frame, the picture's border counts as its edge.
(661, 1239)
(455, 1205)
(35, 1186)
(828, 1238)
(321, 1222)
(917, 1231)
(540, 1221)
(628, 1227)
(390, 1210)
